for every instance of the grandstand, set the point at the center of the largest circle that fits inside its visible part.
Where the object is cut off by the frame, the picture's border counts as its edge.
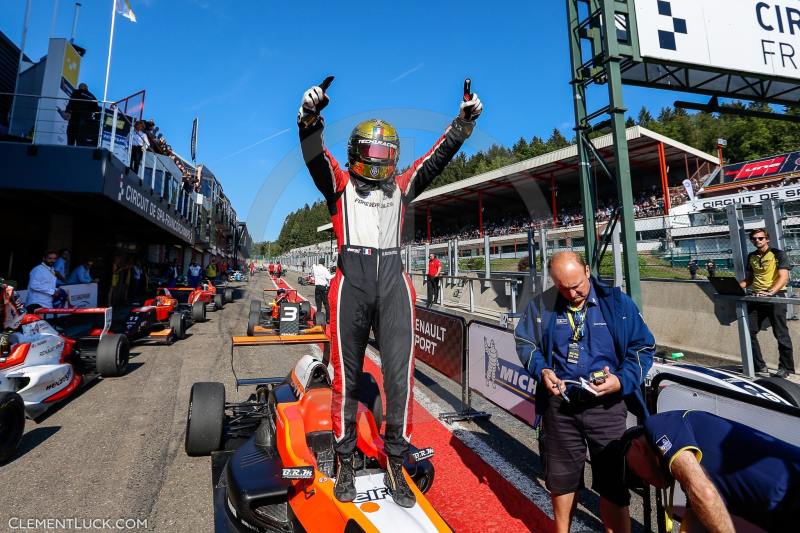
(543, 191)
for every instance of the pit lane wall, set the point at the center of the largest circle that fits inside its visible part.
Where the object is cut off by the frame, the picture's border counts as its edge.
(684, 316)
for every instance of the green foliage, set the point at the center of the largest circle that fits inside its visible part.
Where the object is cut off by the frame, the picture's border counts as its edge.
(299, 229)
(748, 137)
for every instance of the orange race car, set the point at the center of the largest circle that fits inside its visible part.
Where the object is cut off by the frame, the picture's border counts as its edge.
(282, 310)
(213, 297)
(273, 458)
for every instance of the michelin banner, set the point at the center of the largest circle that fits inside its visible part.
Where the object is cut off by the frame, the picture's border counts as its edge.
(495, 371)
(439, 341)
(79, 296)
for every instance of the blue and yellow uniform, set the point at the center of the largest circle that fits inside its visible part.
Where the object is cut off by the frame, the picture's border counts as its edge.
(757, 475)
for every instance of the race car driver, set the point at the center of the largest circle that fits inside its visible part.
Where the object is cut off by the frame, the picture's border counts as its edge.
(367, 202)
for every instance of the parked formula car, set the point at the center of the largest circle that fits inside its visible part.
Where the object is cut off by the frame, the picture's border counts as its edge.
(273, 462)
(206, 293)
(307, 279)
(163, 318)
(237, 275)
(42, 364)
(282, 311)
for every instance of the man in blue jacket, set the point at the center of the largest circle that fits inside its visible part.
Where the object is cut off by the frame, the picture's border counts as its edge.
(591, 331)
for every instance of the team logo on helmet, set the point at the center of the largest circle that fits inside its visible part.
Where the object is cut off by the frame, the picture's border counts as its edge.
(373, 171)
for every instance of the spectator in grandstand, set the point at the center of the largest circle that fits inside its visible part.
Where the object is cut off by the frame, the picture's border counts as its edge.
(139, 144)
(434, 277)
(585, 327)
(712, 459)
(767, 275)
(42, 282)
(692, 266)
(80, 122)
(61, 266)
(322, 280)
(82, 273)
(711, 267)
(193, 274)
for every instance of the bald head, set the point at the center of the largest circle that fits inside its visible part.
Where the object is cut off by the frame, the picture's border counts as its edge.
(571, 276)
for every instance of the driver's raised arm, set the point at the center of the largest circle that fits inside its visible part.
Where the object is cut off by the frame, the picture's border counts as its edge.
(425, 169)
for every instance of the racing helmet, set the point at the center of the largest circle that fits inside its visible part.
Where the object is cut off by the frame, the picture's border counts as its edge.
(373, 150)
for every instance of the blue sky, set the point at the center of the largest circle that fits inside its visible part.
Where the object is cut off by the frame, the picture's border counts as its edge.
(242, 66)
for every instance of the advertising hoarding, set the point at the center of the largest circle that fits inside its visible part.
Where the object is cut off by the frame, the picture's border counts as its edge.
(495, 371)
(439, 341)
(740, 35)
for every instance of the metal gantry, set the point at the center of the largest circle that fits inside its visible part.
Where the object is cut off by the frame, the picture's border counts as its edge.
(602, 36)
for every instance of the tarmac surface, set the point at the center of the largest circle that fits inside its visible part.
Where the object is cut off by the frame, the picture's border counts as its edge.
(115, 451)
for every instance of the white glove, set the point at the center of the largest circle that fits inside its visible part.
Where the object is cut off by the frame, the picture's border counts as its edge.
(471, 108)
(312, 99)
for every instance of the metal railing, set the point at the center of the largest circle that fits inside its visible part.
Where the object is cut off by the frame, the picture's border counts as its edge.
(510, 284)
(44, 120)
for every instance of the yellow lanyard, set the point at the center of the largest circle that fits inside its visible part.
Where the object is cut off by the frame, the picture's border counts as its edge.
(577, 330)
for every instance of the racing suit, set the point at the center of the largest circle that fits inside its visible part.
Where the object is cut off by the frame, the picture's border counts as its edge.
(370, 289)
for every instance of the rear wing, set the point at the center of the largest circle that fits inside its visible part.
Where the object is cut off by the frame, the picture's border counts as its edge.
(105, 311)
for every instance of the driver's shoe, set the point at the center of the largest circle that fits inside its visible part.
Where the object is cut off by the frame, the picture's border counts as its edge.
(345, 487)
(395, 481)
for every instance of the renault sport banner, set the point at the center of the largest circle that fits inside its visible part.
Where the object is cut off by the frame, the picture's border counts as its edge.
(439, 341)
(740, 35)
(495, 371)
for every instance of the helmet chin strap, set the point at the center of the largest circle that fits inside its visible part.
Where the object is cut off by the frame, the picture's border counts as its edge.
(364, 185)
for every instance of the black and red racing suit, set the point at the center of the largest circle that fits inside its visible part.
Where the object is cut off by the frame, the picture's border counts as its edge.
(370, 289)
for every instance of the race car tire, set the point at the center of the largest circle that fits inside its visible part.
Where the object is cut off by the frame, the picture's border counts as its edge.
(219, 302)
(177, 325)
(782, 387)
(12, 422)
(370, 395)
(305, 308)
(198, 311)
(228, 295)
(255, 305)
(205, 418)
(253, 321)
(113, 352)
(301, 280)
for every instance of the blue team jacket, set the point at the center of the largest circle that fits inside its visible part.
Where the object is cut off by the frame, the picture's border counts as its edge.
(633, 341)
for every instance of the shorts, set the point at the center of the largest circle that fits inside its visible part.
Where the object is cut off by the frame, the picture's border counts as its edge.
(568, 429)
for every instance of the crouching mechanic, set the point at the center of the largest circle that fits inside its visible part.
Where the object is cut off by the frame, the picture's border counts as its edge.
(367, 202)
(589, 330)
(723, 467)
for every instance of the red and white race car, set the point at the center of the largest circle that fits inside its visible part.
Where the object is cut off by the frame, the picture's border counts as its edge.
(213, 297)
(44, 361)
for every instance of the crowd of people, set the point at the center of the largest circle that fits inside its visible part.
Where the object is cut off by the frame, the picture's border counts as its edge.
(128, 280)
(645, 205)
(146, 137)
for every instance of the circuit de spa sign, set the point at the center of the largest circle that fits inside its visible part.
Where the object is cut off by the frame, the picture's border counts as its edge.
(439, 341)
(128, 191)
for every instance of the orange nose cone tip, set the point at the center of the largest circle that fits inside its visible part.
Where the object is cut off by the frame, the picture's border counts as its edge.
(370, 507)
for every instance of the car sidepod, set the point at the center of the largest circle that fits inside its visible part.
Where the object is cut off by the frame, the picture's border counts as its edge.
(44, 384)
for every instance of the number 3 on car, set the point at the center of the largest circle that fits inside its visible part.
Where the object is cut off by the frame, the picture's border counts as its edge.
(289, 319)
